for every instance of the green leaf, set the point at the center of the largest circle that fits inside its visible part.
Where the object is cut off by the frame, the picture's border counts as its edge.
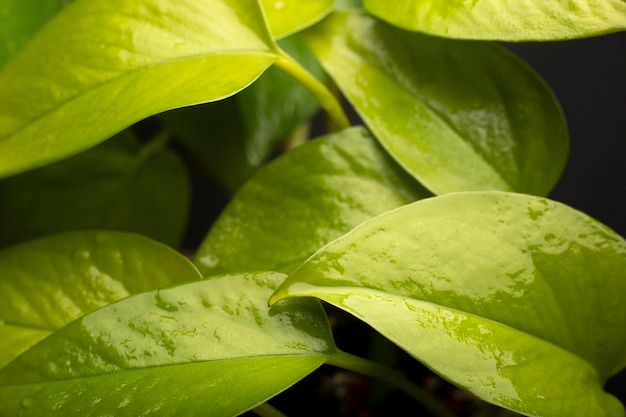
(20, 19)
(211, 348)
(518, 299)
(289, 16)
(46, 283)
(100, 65)
(232, 137)
(458, 115)
(304, 199)
(117, 185)
(507, 20)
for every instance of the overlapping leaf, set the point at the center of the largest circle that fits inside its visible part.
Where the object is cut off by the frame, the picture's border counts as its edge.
(20, 19)
(516, 298)
(232, 137)
(507, 20)
(458, 115)
(100, 65)
(211, 347)
(306, 198)
(288, 16)
(116, 185)
(46, 283)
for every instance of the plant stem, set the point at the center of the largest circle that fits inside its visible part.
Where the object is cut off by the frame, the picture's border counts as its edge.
(373, 369)
(324, 97)
(267, 410)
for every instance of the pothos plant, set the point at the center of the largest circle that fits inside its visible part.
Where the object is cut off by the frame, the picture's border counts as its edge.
(427, 219)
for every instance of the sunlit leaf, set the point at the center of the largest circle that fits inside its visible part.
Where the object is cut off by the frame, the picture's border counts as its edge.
(518, 299)
(211, 348)
(100, 65)
(288, 16)
(117, 185)
(46, 283)
(306, 198)
(232, 137)
(510, 20)
(458, 115)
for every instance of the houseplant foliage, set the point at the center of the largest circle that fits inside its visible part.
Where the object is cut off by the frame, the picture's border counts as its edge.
(429, 222)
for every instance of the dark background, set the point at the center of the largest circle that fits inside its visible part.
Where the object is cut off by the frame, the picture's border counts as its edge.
(588, 77)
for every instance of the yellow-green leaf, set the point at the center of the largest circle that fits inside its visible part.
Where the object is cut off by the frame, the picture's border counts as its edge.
(458, 115)
(100, 65)
(208, 348)
(288, 16)
(48, 282)
(516, 298)
(507, 20)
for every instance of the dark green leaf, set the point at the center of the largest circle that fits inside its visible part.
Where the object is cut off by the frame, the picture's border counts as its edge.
(46, 283)
(507, 20)
(304, 199)
(516, 298)
(458, 115)
(100, 65)
(211, 348)
(116, 185)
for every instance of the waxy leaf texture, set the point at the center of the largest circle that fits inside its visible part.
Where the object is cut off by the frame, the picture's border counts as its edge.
(211, 347)
(515, 298)
(458, 115)
(48, 282)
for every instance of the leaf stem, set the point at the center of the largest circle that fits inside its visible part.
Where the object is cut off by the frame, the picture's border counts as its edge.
(325, 98)
(156, 143)
(367, 367)
(267, 410)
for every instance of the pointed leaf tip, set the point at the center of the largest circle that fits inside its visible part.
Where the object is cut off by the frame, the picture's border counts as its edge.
(515, 298)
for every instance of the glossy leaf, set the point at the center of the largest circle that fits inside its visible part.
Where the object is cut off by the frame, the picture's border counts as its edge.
(211, 347)
(507, 20)
(304, 199)
(100, 65)
(289, 16)
(117, 185)
(232, 137)
(20, 19)
(516, 298)
(460, 116)
(46, 283)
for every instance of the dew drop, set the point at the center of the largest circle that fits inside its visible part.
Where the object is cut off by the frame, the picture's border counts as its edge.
(81, 255)
(28, 403)
(209, 260)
